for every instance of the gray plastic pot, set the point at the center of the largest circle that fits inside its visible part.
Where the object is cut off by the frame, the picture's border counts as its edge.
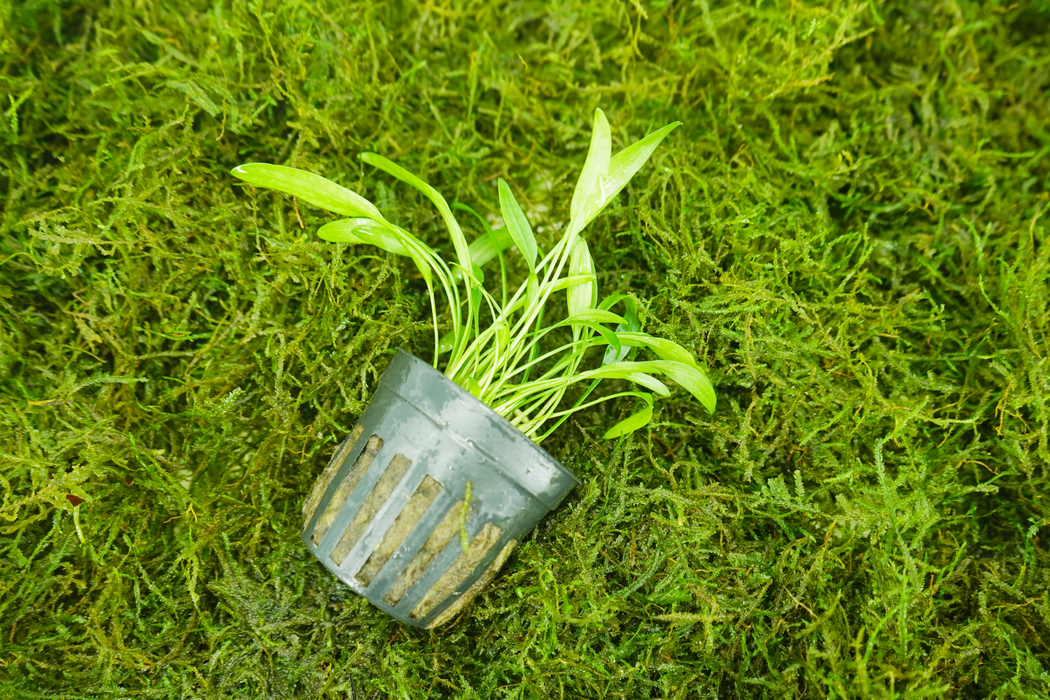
(425, 500)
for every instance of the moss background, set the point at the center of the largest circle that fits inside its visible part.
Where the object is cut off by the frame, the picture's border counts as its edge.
(850, 229)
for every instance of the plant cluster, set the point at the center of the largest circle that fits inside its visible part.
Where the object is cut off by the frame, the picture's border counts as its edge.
(504, 364)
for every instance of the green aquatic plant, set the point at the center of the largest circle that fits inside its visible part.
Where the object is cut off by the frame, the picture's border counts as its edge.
(497, 363)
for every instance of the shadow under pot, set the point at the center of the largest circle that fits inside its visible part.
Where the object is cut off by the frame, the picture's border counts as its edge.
(426, 499)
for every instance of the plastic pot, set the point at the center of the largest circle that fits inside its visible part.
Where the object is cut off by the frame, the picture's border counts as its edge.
(425, 500)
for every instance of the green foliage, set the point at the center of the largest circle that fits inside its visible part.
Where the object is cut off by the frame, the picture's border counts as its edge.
(850, 226)
(491, 363)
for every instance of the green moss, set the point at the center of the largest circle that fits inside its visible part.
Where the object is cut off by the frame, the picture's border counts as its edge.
(849, 226)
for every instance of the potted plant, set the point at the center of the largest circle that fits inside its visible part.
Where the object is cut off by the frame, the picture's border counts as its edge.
(443, 474)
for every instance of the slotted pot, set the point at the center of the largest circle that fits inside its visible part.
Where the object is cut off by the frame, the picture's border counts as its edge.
(426, 499)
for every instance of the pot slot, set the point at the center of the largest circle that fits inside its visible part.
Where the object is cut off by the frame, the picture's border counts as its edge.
(349, 483)
(425, 494)
(459, 572)
(321, 485)
(439, 538)
(380, 492)
(475, 588)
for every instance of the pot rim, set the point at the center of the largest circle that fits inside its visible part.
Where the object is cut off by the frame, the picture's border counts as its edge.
(463, 394)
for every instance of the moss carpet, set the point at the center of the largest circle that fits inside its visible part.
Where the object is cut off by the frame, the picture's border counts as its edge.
(849, 229)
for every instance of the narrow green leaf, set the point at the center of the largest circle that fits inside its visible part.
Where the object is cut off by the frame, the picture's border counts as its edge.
(532, 289)
(314, 189)
(648, 381)
(502, 268)
(611, 300)
(459, 241)
(632, 372)
(594, 316)
(584, 319)
(517, 224)
(627, 162)
(382, 235)
(587, 199)
(584, 295)
(486, 247)
(694, 380)
(631, 314)
(631, 325)
(364, 231)
(570, 282)
(664, 349)
(473, 387)
(502, 332)
(532, 292)
(691, 378)
(475, 293)
(632, 422)
(446, 342)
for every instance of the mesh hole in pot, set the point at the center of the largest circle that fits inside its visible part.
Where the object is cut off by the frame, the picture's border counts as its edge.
(425, 494)
(373, 502)
(475, 587)
(349, 483)
(439, 537)
(321, 485)
(459, 572)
